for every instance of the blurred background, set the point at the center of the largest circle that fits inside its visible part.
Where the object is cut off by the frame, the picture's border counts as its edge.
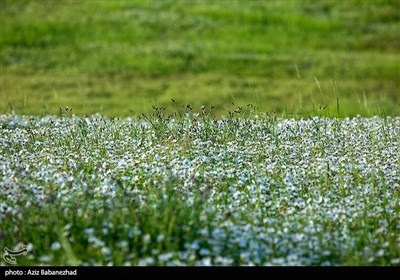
(120, 57)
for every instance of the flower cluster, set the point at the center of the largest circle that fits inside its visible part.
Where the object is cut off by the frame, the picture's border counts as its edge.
(281, 191)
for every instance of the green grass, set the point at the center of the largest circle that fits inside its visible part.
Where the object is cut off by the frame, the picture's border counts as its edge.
(120, 57)
(230, 183)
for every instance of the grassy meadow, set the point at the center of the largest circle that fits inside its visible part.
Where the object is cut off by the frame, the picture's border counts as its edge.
(200, 132)
(119, 57)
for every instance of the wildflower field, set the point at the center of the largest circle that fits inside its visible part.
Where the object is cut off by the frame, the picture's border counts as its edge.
(193, 190)
(92, 174)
